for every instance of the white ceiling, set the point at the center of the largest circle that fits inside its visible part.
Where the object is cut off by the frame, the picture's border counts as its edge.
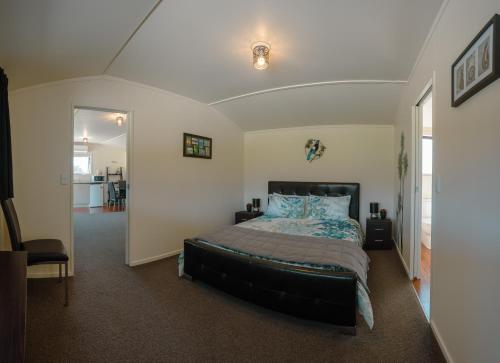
(49, 40)
(201, 49)
(325, 105)
(99, 127)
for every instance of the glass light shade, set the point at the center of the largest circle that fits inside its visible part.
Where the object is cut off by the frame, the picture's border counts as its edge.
(119, 121)
(85, 140)
(261, 52)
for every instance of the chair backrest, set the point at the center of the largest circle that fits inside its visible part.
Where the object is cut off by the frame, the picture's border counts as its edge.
(12, 224)
(112, 191)
(122, 188)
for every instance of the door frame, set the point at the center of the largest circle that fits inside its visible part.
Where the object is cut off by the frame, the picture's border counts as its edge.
(129, 168)
(416, 178)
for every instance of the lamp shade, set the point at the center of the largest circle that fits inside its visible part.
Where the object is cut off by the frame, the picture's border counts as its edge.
(374, 207)
(256, 202)
(261, 52)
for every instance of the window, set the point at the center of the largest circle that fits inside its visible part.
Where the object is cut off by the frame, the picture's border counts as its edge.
(82, 164)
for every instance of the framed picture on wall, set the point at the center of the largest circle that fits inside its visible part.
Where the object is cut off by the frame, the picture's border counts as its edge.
(478, 65)
(196, 146)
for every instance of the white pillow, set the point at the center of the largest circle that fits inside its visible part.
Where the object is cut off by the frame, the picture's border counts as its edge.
(328, 207)
(286, 206)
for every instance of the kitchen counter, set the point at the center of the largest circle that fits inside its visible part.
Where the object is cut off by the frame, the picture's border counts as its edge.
(103, 182)
(89, 183)
(91, 193)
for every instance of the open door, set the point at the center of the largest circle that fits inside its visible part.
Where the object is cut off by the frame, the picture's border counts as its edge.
(100, 188)
(422, 231)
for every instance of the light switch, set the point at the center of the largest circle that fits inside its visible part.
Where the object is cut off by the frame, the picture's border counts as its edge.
(63, 179)
(438, 184)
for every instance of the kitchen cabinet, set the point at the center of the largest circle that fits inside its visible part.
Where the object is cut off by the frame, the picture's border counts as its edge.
(96, 195)
(81, 194)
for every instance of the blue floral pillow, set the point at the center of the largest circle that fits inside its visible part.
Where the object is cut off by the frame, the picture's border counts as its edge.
(328, 207)
(286, 206)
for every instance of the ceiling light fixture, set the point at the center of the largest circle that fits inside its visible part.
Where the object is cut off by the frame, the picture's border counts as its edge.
(119, 121)
(261, 52)
(85, 140)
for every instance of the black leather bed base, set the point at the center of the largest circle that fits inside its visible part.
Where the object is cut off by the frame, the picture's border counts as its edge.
(303, 292)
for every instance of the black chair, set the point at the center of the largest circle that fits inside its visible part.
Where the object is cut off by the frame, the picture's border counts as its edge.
(114, 197)
(40, 251)
(122, 192)
(122, 189)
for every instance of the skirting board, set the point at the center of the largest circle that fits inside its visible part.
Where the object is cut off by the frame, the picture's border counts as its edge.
(403, 261)
(44, 275)
(435, 331)
(154, 258)
(441, 344)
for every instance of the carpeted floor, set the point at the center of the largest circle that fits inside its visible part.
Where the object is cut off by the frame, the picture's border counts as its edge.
(148, 314)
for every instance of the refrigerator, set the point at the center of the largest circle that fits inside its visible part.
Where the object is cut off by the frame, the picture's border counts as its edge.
(96, 195)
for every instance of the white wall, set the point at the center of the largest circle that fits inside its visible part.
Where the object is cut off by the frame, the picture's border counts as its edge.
(110, 156)
(172, 197)
(355, 153)
(466, 228)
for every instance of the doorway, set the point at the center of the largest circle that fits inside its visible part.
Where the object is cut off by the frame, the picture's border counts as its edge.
(100, 190)
(423, 200)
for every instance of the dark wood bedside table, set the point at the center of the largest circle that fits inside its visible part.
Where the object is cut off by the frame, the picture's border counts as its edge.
(378, 234)
(243, 216)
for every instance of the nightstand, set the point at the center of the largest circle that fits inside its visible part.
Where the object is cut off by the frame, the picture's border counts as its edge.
(378, 234)
(243, 216)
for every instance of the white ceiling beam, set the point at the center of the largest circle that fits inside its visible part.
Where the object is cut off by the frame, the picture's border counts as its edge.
(155, 6)
(313, 84)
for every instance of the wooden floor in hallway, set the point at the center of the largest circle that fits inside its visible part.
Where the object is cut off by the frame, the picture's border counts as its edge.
(97, 210)
(423, 285)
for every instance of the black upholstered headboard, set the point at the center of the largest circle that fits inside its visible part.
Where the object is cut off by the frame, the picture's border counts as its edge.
(316, 188)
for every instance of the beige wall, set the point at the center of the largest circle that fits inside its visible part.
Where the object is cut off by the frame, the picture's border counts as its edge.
(355, 153)
(466, 228)
(108, 155)
(172, 197)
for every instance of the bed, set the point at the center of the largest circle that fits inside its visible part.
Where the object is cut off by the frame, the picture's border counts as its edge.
(303, 287)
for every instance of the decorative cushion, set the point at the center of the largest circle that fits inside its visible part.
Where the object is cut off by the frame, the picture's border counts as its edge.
(286, 206)
(328, 207)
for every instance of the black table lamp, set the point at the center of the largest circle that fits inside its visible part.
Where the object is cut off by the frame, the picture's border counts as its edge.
(373, 210)
(256, 204)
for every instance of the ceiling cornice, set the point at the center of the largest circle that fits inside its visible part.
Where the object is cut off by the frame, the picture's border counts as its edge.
(437, 19)
(316, 127)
